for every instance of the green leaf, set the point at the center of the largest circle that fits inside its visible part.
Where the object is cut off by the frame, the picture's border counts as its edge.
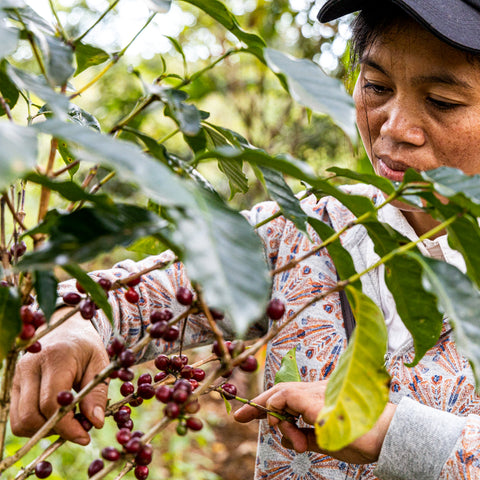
(37, 85)
(416, 306)
(288, 371)
(460, 301)
(45, 284)
(59, 58)
(83, 234)
(357, 390)
(228, 405)
(83, 118)
(8, 38)
(71, 191)
(311, 87)
(219, 12)
(283, 195)
(10, 321)
(29, 16)
(148, 246)
(18, 152)
(98, 294)
(225, 256)
(357, 204)
(461, 189)
(155, 180)
(187, 116)
(7, 88)
(237, 180)
(381, 183)
(88, 56)
(340, 256)
(159, 6)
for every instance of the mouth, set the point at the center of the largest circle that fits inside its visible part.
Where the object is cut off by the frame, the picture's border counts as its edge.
(394, 171)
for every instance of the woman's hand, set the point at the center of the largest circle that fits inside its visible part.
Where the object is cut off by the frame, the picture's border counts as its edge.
(307, 399)
(72, 354)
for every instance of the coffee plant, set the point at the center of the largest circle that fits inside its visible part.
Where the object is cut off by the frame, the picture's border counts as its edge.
(182, 209)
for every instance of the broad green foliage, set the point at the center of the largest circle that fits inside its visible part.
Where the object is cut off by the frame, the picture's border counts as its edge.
(10, 323)
(357, 390)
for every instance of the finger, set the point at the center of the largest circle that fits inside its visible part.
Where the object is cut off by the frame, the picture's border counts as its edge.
(295, 435)
(247, 413)
(94, 404)
(58, 375)
(25, 415)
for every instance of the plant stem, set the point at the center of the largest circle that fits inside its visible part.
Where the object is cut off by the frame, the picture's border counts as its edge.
(13, 212)
(28, 470)
(5, 393)
(6, 107)
(281, 416)
(169, 136)
(139, 108)
(99, 19)
(45, 192)
(334, 237)
(61, 30)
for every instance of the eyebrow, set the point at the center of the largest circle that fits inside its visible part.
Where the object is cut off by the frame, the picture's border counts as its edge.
(443, 78)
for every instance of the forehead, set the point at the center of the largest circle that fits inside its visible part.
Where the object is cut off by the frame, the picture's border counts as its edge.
(408, 47)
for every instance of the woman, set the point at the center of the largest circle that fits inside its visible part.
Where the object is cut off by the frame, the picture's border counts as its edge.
(418, 105)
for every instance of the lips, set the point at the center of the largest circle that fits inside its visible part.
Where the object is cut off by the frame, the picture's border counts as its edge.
(391, 169)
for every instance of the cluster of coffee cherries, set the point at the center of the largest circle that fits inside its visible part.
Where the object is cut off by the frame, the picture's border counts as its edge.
(31, 321)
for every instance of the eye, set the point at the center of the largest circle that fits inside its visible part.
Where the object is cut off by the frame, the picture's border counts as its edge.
(442, 104)
(375, 88)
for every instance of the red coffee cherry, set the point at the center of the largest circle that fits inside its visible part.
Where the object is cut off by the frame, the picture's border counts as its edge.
(250, 364)
(126, 358)
(171, 410)
(127, 388)
(171, 334)
(136, 402)
(111, 454)
(35, 347)
(163, 393)
(26, 314)
(72, 298)
(64, 398)
(160, 376)
(194, 423)
(43, 469)
(105, 283)
(133, 445)
(180, 396)
(87, 309)
(38, 319)
(123, 436)
(95, 467)
(144, 378)
(144, 456)
(146, 391)
(17, 250)
(116, 347)
(161, 315)
(122, 415)
(198, 374)
(134, 282)
(184, 296)
(275, 309)
(230, 390)
(28, 331)
(162, 362)
(187, 372)
(125, 374)
(84, 421)
(158, 330)
(81, 290)
(176, 363)
(141, 472)
(132, 295)
(192, 407)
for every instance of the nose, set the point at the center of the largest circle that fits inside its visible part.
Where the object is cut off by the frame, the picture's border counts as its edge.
(402, 124)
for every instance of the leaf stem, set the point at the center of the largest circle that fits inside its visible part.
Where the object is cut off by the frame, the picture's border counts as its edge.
(61, 30)
(99, 19)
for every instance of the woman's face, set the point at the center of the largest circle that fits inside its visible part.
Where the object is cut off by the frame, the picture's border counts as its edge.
(418, 104)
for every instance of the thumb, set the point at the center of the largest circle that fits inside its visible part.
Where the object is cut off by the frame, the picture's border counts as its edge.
(94, 404)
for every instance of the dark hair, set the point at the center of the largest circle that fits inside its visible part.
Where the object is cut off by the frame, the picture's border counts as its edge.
(376, 19)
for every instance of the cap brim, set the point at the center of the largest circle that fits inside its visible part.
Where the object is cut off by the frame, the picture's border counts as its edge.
(455, 22)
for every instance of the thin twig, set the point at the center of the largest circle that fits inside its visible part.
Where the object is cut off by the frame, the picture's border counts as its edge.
(99, 19)
(27, 471)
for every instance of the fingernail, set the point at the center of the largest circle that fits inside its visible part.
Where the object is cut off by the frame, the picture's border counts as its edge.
(82, 440)
(99, 414)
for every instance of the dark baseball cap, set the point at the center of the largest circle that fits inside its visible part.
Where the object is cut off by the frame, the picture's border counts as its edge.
(457, 22)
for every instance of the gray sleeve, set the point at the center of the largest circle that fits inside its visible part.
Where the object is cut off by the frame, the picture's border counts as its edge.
(418, 442)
